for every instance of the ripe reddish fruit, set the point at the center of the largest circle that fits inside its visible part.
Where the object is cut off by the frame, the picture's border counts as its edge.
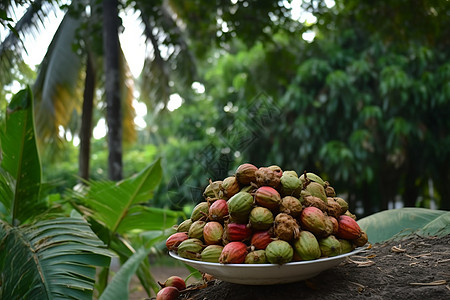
(268, 197)
(261, 239)
(168, 293)
(174, 281)
(175, 239)
(212, 233)
(233, 253)
(218, 210)
(237, 232)
(348, 228)
(313, 219)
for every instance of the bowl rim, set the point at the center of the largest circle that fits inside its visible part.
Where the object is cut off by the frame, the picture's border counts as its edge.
(296, 263)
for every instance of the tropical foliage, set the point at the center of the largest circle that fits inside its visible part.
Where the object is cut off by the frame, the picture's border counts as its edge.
(39, 256)
(120, 212)
(362, 107)
(359, 99)
(363, 102)
(47, 253)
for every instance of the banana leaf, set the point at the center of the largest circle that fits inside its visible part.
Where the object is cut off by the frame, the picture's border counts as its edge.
(118, 211)
(438, 227)
(118, 287)
(125, 250)
(397, 223)
(20, 176)
(122, 206)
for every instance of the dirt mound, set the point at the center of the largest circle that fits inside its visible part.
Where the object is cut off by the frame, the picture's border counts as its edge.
(412, 268)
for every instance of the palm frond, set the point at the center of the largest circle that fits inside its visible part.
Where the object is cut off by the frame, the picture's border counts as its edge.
(155, 87)
(56, 88)
(177, 67)
(51, 259)
(151, 239)
(184, 65)
(12, 46)
(127, 89)
(155, 74)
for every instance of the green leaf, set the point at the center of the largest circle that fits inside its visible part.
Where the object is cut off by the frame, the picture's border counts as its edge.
(385, 225)
(20, 160)
(50, 259)
(7, 187)
(438, 227)
(120, 206)
(124, 250)
(148, 218)
(148, 240)
(118, 287)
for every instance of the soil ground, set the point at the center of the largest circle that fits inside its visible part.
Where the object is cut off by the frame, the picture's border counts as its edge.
(413, 268)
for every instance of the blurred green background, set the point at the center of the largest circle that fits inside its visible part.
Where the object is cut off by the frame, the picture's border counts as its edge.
(355, 91)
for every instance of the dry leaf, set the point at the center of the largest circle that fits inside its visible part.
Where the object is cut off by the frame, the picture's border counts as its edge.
(398, 249)
(443, 261)
(361, 263)
(438, 282)
(360, 286)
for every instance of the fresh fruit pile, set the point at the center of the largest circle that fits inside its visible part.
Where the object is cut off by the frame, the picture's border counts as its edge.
(267, 215)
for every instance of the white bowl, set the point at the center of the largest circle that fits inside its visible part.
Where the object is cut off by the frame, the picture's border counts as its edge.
(267, 274)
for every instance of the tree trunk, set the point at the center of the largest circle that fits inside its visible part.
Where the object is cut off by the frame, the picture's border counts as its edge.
(112, 87)
(442, 185)
(387, 185)
(86, 120)
(411, 189)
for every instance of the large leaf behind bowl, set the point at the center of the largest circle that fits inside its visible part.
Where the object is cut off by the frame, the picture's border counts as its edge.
(387, 224)
(123, 206)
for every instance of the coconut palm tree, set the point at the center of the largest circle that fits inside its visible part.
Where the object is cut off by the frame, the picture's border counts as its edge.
(67, 79)
(173, 29)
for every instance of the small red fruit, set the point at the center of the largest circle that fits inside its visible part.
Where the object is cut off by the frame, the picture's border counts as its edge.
(212, 233)
(233, 253)
(218, 210)
(174, 281)
(314, 220)
(237, 232)
(261, 239)
(348, 228)
(268, 197)
(168, 293)
(175, 239)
